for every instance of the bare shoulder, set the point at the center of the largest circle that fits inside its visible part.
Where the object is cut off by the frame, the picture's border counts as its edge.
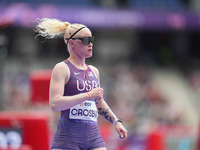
(61, 66)
(95, 70)
(61, 69)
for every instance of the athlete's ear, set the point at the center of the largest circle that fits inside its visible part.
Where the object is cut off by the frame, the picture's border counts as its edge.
(70, 42)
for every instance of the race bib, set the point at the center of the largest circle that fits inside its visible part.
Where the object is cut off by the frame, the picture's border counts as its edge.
(84, 111)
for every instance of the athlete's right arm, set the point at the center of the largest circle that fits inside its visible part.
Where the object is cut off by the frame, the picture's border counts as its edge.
(58, 102)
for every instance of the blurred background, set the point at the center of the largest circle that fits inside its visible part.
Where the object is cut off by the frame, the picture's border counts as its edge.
(148, 55)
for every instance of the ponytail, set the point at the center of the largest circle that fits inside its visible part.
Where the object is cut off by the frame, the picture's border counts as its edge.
(51, 28)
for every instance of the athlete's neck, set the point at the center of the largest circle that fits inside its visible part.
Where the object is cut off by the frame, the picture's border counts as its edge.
(79, 63)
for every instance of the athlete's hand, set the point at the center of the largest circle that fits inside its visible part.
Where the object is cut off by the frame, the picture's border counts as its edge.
(96, 93)
(121, 130)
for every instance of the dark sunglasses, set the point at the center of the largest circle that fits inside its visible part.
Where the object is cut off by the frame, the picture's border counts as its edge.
(85, 40)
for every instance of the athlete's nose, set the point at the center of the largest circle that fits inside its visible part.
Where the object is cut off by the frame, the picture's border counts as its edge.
(90, 44)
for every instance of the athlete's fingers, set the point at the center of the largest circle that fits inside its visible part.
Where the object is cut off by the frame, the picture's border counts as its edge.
(121, 135)
(101, 93)
(124, 134)
(96, 93)
(121, 131)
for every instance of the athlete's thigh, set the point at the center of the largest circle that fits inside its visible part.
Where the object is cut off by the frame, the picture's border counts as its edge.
(100, 148)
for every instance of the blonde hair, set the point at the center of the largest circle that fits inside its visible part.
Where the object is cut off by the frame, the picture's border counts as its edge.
(52, 28)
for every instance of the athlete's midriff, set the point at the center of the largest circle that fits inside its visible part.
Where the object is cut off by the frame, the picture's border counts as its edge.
(78, 127)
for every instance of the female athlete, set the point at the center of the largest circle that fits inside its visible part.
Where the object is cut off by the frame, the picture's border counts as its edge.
(75, 90)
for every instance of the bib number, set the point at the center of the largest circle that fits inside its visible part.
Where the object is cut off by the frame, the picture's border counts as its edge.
(84, 111)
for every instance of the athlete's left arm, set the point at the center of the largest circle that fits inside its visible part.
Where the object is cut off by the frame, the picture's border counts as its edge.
(105, 111)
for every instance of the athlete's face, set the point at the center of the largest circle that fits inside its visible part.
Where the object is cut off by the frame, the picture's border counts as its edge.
(83, 47)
